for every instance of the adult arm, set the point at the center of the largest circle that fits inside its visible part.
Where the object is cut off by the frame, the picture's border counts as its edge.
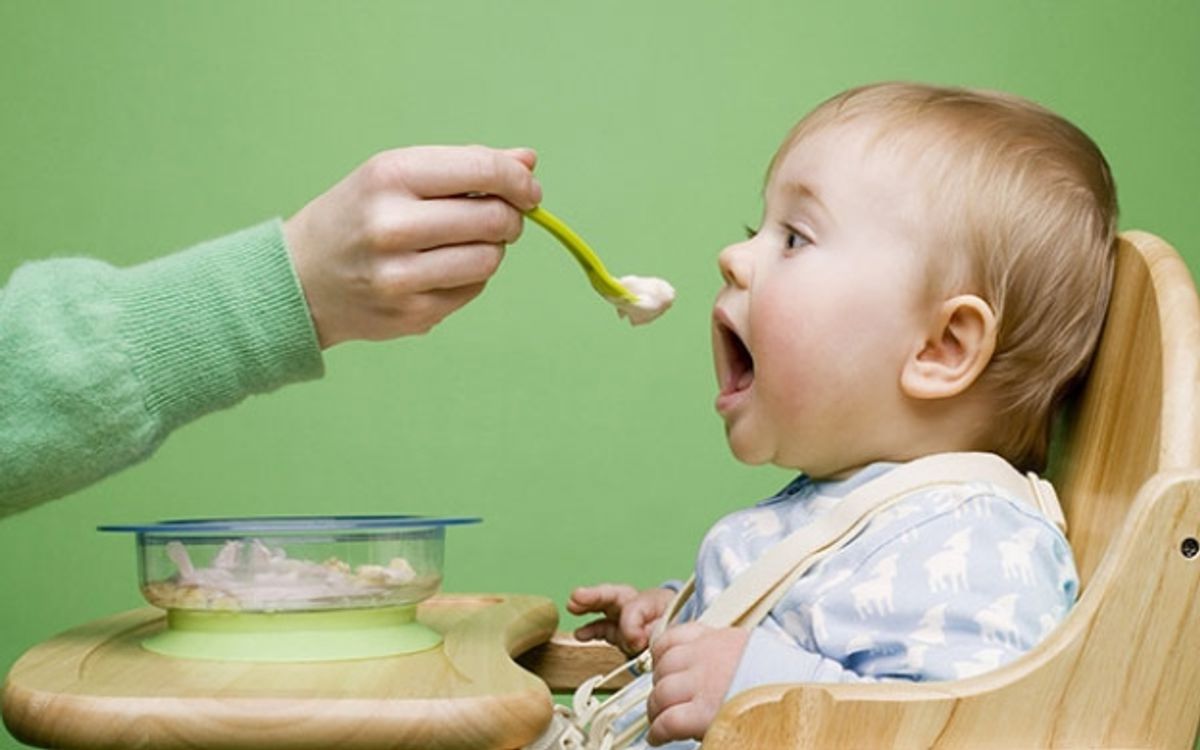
(99, 364)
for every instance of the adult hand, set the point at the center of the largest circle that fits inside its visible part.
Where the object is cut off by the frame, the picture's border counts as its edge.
(694, 665)
(629, 615)
(408, 238)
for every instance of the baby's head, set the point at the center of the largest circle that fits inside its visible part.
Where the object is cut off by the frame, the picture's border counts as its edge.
(931, 274)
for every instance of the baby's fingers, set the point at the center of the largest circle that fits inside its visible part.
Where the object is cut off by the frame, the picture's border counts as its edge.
(639, 617)
(636, 625)
(608, 598)
(679, 722)
(684, 701)
(598, 630)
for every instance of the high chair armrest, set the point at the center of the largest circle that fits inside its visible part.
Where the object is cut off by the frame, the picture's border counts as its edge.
(800, 716)
(563, 662)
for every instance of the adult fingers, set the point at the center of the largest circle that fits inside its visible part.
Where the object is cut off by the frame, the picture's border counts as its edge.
(446, 301)
(413, 314)
(525, 155)
(443, 269)
(403, 225)
(441, 171)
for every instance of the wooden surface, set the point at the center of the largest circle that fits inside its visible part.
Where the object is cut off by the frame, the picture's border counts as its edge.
(563, 662)
(95, 687)
(1138, 414)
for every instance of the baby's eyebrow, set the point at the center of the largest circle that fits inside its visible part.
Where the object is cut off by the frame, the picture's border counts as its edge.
(802, 192)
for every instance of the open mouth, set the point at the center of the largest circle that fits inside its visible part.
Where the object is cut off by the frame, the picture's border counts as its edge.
(735, 364)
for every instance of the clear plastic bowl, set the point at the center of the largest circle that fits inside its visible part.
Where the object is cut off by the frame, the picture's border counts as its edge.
(290, 563)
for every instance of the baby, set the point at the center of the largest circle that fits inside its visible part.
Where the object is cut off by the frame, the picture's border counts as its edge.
(930, 276)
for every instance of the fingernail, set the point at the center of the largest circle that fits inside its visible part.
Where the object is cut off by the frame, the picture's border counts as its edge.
(524, 153)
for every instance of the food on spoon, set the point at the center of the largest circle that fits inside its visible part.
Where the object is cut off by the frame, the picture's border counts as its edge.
(653, 295)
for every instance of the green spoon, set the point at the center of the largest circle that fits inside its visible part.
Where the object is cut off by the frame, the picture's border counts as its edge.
(602, 281)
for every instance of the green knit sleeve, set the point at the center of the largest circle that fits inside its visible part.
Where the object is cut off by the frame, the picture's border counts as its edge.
(99, 364)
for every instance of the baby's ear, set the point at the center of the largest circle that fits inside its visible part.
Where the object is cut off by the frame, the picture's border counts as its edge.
(957, 347)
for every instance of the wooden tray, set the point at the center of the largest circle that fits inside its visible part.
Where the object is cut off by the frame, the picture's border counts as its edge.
(95, 687)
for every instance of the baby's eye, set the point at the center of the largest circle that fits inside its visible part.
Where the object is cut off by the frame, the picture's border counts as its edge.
(751, 232)
(795, 240)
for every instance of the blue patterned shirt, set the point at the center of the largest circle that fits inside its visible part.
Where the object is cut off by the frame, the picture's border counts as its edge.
(950, 582)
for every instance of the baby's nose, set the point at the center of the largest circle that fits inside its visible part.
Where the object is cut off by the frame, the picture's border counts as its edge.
(734, 262)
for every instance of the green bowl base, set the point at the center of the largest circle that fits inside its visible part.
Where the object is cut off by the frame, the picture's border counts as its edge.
(328, 635)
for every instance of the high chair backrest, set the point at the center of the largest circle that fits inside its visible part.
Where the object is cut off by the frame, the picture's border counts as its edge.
(1138, 413)
(1122, 670)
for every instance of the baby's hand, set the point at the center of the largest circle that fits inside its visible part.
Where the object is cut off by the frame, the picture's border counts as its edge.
(629, 615)
(693, 667)
(408, 238)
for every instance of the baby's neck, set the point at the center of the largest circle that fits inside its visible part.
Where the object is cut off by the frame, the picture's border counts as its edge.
(895, 457)
(913, 430)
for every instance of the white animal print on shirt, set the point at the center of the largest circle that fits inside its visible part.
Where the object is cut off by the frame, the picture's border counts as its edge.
(996, 623)
(874, 596)
(979, 506)
(831, 581)
(948, 569)
(765, 524)
(1047, 623)
(932, 630)
(1015, 555)
(985, 660)
(732, 561)
(944, 499)
(792, 626)
(915, 656)
(897, 512)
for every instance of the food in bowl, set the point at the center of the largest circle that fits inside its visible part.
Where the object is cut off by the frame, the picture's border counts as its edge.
(277, 564)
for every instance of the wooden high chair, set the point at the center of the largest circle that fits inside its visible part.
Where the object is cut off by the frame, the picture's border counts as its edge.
(1123, 670)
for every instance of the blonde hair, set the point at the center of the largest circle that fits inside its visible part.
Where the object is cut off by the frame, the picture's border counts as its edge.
(1022, 210)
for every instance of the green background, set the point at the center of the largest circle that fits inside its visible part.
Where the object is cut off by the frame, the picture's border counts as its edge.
(591, 449)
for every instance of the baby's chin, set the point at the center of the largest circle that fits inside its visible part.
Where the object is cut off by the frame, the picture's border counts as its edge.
(746, 449)
(753, 453)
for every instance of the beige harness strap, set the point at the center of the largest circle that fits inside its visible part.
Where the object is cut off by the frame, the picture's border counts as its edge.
(753, 593)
